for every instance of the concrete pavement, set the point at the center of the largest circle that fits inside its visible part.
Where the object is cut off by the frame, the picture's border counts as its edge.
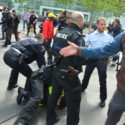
(90, 113)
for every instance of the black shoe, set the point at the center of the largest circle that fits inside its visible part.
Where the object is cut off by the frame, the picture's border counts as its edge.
(102, 104)
(19, 123)
(25, 100)
(19, 96)
(22, 97)
(9, 43)
(10, 87)
(52, 122)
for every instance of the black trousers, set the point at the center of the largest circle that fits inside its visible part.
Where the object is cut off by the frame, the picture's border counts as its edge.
(8, 36)
(11, 58)
(72, 89)
(39, 91)
(15, 32)
(101, 65)
(34, 27)
(47, 45)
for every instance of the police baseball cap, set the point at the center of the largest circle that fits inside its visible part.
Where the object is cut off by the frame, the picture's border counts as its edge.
(51, 15)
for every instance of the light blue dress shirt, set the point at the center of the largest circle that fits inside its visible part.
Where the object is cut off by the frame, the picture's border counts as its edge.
(105, 51)
(96, 39)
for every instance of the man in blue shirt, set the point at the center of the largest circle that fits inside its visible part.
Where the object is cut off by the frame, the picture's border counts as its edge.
(25, 19)
(117, 104)
(96, 39)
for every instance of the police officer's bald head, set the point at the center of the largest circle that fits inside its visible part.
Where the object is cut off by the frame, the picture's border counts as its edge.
(78, 18)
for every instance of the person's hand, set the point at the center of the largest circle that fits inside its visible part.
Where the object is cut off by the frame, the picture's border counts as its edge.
(70, 50)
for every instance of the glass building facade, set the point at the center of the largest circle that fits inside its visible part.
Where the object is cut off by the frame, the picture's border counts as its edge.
(42, 6)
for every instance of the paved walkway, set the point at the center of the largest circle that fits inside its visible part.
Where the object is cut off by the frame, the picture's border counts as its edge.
(90, 113)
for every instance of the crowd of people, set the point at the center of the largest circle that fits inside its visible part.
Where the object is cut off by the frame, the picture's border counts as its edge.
(67, 52)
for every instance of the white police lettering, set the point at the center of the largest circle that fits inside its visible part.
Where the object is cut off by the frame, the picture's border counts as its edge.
(61, 35)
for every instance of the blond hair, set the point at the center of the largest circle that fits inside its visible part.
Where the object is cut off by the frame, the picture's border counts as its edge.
(99, 19)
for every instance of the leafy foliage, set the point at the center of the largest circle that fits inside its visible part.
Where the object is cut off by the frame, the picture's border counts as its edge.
(65, 2)
(114, 7)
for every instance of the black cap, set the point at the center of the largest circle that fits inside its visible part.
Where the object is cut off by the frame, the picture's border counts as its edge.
(13, 11)
(64, 12)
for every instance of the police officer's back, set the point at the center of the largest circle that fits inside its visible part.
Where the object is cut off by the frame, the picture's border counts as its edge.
(62, 77)
(21, 54)
(71, 33)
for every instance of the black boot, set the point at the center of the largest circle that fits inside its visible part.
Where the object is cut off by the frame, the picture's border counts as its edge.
(10, 87)
(22, 97)
(54, 121)
(13, 79)
(19, 123)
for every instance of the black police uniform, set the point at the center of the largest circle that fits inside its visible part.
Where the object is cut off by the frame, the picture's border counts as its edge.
(40, 81)
(62, 24)
(62, 79)
(4, 26)
(15, 29)
(31, 22)
(20, 55)
(8, 22)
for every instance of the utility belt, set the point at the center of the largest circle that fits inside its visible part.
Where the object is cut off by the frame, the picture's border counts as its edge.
(19, 54)
(68, 70)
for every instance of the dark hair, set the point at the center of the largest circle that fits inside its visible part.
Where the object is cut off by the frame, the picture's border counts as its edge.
(117, 20)
(13, 10)
(65, 12)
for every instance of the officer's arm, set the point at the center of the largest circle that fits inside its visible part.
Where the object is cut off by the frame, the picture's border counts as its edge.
(40, 60)
(40, 50)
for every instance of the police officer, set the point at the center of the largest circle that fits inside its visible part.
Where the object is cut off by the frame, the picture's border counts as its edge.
(16, 23)
(65, 75)
(32, 21)
(9, 22)
(20, 55)
(62, 21)
(40, 81)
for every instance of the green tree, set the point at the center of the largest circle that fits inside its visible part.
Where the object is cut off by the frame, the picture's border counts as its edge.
(103, 7)
(65, 2)
(118, 7)
(92, 6)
